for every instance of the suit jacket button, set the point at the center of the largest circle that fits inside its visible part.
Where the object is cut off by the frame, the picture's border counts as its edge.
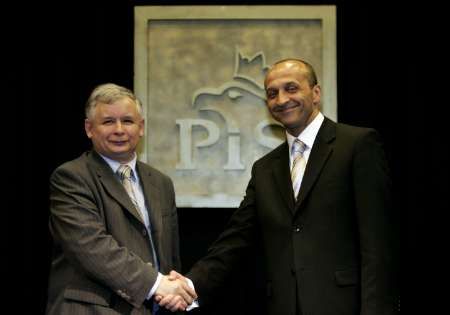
(298, 228)
(144, 232)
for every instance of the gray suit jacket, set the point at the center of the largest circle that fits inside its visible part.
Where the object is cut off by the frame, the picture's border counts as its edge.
(102, 259)
(332, 252)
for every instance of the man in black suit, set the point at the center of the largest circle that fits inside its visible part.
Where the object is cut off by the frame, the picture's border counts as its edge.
(327, 232)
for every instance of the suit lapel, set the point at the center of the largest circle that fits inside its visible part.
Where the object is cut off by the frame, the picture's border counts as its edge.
(282, 174)
(152, 195)
(113, 185)
(320, 152)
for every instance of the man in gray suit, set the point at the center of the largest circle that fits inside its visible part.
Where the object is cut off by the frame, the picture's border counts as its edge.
(323, 217)
(113, 219)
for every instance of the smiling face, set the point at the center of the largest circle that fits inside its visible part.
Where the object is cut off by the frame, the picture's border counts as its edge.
(290, 97)
(115, 129)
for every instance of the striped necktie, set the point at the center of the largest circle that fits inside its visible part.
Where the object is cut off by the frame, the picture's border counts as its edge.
(298, 165)
(124, 172)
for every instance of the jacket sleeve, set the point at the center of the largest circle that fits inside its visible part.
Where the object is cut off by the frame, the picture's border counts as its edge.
(376, 226)
(229, 251)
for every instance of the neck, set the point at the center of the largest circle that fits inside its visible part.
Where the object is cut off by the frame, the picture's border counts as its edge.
(299, 129)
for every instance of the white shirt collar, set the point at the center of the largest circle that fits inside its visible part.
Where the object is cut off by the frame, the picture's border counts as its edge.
(115, 165)
(308, 135)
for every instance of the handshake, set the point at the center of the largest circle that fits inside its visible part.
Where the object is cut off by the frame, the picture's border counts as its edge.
(175, 293)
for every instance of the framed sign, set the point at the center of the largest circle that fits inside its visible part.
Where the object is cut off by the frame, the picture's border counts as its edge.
(199, 73)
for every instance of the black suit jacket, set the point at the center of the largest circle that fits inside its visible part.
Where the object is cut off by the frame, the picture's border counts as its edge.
(102, 259)
(331, 252)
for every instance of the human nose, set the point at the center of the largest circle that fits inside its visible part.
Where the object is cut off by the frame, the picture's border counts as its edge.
(118, 127)
(282, 98)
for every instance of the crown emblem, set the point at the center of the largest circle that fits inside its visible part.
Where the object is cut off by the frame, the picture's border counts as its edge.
(251, 68)
(249, 73)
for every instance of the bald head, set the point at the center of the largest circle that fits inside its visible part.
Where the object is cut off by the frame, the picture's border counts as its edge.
(303, 67)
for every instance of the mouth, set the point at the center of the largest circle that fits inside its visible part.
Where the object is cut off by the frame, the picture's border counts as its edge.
(119, 143)
(286, 108)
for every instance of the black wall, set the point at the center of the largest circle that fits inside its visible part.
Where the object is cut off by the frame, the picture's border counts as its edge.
(57, 54)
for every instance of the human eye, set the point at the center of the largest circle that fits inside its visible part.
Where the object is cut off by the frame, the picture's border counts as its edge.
(107, 121)
(128, 121)
(291, 88)
(271, 93)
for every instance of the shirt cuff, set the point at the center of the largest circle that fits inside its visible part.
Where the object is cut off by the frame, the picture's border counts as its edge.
(155, 286)
(194, 303)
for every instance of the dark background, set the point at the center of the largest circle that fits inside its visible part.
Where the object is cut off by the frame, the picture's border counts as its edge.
(56, 54)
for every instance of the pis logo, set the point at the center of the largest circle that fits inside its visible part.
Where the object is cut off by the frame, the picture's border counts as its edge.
(244, 90)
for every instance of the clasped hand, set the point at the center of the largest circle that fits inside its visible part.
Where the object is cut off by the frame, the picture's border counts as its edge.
(174, 292)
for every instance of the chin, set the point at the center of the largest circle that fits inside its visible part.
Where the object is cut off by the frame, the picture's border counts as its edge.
(121, 153)
(118, 153)
(289, 123)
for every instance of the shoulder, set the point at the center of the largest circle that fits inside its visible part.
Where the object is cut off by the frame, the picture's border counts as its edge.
(154, 174)
(82, 167)
(352, 130)
(359, 139)
(278, 152)
(76, 165)
(356, 134)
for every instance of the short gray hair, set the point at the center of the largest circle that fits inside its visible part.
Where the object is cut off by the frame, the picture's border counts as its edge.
(109, 93)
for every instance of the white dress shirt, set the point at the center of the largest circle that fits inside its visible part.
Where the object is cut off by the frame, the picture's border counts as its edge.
(307, 136)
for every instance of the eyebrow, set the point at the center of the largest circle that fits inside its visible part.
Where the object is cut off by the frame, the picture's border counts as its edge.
(106, 117)
(283, 85)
